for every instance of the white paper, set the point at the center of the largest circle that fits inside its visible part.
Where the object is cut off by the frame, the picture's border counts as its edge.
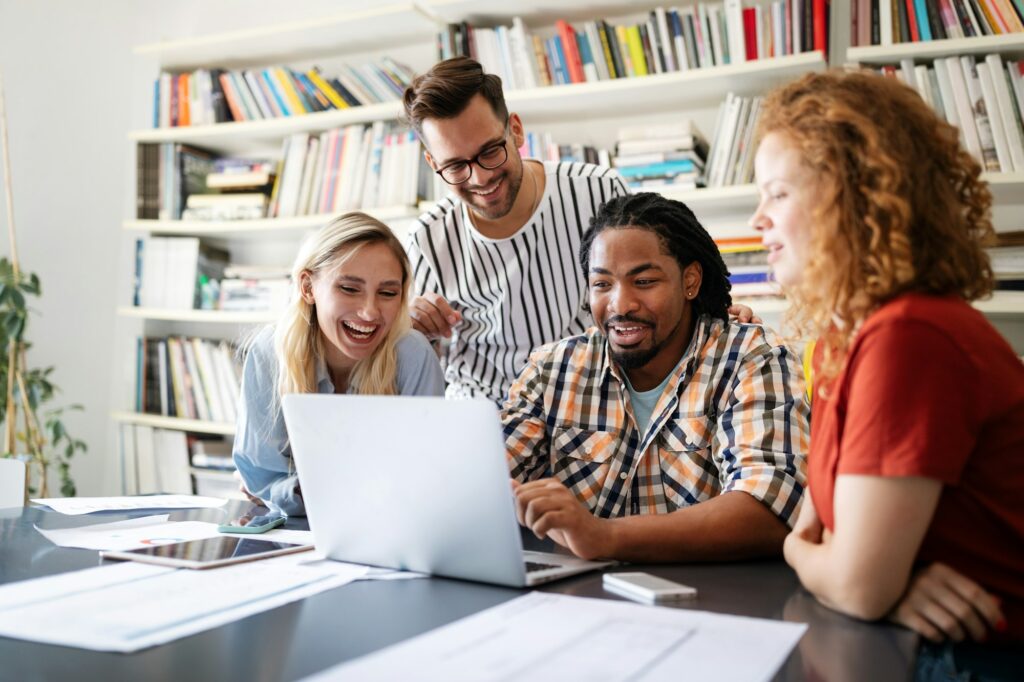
(131, 534)
(86, 505)
(99, 608)
(542, 636)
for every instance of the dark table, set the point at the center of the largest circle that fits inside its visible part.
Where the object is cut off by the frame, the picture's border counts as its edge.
(310, 635)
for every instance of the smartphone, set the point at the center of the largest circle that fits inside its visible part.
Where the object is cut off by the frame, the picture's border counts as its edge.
(647, 588)
(254, 524)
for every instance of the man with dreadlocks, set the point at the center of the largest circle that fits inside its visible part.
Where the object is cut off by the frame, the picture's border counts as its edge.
(666, 432)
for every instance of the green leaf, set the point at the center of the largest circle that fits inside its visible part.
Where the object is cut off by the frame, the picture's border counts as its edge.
(17, 298)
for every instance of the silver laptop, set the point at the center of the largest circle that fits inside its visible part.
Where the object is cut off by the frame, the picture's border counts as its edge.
(414, 483)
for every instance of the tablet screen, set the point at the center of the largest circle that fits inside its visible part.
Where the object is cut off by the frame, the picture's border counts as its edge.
(209, 552)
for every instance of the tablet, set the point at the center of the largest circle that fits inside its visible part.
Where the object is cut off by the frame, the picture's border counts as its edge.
(208, 553)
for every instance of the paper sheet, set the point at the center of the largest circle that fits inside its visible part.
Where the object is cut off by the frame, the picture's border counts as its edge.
(98, 608)
(543, 636)
(86, 505)
(130, 534)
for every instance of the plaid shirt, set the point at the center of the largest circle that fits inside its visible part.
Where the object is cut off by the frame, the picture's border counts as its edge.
(732, 417)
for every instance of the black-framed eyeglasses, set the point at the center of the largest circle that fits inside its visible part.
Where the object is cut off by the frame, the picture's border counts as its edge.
(458, 172)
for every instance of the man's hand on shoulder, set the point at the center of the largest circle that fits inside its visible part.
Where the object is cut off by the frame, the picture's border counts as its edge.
(548, 508)
(743, 314)
(433, 316)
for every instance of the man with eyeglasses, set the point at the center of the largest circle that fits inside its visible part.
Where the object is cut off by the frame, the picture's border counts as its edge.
(494, 265)
(494, 262)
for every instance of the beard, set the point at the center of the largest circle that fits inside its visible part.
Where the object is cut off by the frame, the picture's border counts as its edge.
(512, 180)
(635, 358)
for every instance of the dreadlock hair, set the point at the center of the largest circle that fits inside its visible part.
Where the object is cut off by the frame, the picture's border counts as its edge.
(681, 236)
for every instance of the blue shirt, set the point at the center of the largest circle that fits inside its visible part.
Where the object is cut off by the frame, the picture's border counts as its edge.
(644, 402)
(261, 450)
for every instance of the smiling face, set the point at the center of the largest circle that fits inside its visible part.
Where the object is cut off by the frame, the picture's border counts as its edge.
(489, 193)
(357, 297)
(641, 297)
(789, 194)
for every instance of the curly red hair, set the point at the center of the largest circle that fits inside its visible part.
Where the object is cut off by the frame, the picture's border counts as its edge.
(902, 205)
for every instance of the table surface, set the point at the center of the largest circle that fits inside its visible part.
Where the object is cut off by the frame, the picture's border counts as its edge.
(298, 639)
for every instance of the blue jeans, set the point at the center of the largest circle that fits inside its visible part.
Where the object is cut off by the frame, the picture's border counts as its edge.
(968, 662)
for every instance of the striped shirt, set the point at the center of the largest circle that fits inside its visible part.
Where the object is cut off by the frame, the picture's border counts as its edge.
(732, 417)
(514, 294)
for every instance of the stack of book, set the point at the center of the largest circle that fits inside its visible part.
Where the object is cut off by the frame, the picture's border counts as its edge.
(983, 98)
(884, 22)
(169, 271)
(749, 273)
(356, 167)
(167, 174)
(543, 147)
(669, 40)
(237, 189)
(189, 378)
(730, 160)
(208, 96)
(154, 460)
(655, 156)
(254, 288)
(213, 469)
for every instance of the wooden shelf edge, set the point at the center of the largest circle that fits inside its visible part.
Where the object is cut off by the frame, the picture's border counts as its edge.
(228, 227)
(173, 423)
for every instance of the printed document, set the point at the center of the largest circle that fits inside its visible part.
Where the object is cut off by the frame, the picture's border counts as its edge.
(87, 505)
(130, 606)
(542, 636)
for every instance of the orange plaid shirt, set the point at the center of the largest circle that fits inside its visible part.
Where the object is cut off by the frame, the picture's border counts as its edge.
(733, 417)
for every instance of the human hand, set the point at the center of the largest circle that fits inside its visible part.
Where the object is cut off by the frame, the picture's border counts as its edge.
(744, 314)
(252, 498)
(943, 604)
(549, 509)
(433, 316)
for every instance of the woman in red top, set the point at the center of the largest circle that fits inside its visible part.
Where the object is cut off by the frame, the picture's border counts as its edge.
(875, 219)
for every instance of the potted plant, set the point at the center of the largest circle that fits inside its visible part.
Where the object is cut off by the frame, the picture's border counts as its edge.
(38, 437)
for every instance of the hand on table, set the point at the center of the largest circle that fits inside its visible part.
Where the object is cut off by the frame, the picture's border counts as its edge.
(943, 604)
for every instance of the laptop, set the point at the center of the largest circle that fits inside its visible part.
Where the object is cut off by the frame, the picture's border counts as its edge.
(413, 483)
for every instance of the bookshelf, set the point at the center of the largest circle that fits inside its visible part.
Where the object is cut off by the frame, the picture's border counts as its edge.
(586, 113)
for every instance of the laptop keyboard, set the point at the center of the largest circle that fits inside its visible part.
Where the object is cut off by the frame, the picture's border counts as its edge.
(533, 566)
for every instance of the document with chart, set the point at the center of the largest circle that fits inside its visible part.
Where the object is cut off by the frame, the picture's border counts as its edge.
(543, 636)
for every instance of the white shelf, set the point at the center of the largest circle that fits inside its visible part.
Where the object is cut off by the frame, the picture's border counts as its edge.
(346, 32)
(174, 423)
(238, 137)
(1008, 45)
(1005, 187)
(1001, 303)
(735, 198)
(660, 92)
(261, 228)
(213, 316)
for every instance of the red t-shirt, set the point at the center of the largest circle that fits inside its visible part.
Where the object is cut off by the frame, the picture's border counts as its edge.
(931, 389)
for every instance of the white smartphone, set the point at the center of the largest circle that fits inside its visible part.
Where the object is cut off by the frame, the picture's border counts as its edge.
(647, 588)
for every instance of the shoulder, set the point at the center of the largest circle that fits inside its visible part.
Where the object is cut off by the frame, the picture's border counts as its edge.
(413, 348)
(580, 350)
(740, 342)
(585, 174)
(940, 323)
(442, 214)
(259, 347)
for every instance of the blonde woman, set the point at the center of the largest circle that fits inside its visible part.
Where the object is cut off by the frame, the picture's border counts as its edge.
(346, 330)
(875, 220)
